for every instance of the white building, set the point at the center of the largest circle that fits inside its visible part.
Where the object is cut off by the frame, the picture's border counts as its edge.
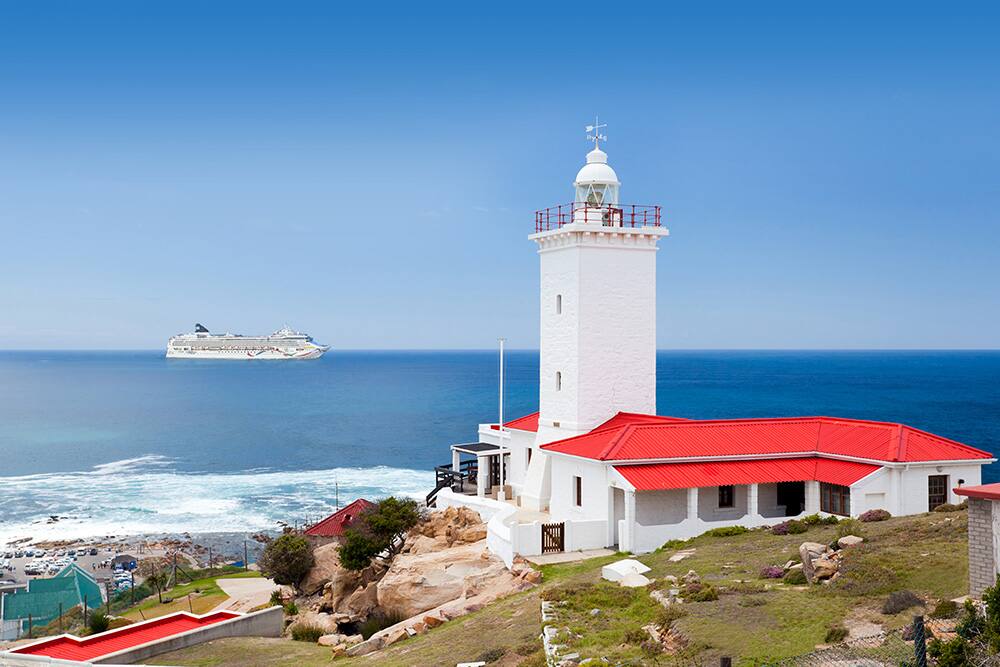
(595, 467)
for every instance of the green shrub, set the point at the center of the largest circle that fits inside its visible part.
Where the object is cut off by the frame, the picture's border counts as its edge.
(291, 609)
(752, 601)
(796, 527)
(874, 515)
(836, 633)
(812, 520)
(899, 601)
(665, 616)
(492, 654)
(945, 609)
(674, 544)
(276, 600)
(727, 531)
(704, 593)
(795, 577)
(849, 527)
(378, 622)
(948, 507)
(636, 636)
(307, 633)
(287, 559)
(98, 622)
(527, 648)
(377, 530)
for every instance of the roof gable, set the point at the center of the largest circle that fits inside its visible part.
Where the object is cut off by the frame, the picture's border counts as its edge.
(335, 524)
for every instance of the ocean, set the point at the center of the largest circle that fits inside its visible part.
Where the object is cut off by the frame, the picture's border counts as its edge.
(120, 443)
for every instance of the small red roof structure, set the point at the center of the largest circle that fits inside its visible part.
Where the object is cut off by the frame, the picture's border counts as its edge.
(525, 423)
(335, 524)
(70, 647)
(628, 437)
(984, 491)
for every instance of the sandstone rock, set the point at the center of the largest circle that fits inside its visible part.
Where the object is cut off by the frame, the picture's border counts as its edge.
(365, 647)
(807, 553)
(416, 583)
(330, 640)
(849, 541)
(326, 622)
(824, 568)
(691, 577)
(532, 576)
(394, 636)
(339, 650)
(328, 571)
(362, 602)
(351, 640)
(421, 544)
(433, 621)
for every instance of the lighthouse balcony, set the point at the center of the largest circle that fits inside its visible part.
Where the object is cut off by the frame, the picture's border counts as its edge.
(604, 215)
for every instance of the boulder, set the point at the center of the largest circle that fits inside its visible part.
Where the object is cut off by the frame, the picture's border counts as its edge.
(432, 621)
(362, 602)
(808, 552)
(824, 568)
(365, 647)
(416, 583)
(691, 578)
(325, 622)
(328, 574)
(331, 640)
(849, 541)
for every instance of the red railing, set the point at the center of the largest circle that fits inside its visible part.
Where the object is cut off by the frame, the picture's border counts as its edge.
(607, 215)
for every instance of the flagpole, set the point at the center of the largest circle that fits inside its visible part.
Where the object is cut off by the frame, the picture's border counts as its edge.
(502, 496)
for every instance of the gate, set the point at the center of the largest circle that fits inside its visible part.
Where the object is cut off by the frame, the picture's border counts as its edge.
(553, 537)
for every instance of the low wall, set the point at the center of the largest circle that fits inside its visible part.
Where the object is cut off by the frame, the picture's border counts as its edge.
(264, 623)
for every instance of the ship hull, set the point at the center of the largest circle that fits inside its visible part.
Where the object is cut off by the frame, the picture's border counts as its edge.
(247, 355)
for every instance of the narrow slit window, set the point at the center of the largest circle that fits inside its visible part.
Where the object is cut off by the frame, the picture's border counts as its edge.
(558, 304)
(578, 491)
(558, 380)
(726, 496)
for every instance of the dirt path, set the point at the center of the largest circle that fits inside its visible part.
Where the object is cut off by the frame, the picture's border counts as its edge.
(245, 594)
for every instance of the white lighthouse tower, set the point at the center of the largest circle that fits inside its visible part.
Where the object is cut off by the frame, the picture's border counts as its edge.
(598, 304)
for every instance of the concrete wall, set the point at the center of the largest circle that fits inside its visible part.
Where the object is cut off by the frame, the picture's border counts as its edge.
(265, 623)
(708, 504)
(594, 484)
(655, 508)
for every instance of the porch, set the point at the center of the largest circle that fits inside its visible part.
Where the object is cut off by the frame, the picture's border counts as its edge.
(475, 470)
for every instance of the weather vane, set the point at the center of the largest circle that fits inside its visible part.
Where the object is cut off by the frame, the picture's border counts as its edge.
(594, 133)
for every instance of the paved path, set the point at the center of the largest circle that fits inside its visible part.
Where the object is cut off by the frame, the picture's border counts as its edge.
(569, 556)
(245, 594)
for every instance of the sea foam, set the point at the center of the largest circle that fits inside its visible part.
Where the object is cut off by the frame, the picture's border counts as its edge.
(146, 495)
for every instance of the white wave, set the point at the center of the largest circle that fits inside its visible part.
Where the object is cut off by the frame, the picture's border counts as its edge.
(143, 495)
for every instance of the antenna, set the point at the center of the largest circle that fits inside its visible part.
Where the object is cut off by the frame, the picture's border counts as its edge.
(594, 132)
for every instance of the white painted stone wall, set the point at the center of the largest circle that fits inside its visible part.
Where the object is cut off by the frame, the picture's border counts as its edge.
(603, 342)
(903, 490)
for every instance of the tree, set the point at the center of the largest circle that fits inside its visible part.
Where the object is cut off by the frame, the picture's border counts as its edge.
(157, 579)
(287, 559)
(378, 530)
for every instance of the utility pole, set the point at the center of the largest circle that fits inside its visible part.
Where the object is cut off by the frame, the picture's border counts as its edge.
(246, 563)
(209, 557)
(131, 574)
(500, 454)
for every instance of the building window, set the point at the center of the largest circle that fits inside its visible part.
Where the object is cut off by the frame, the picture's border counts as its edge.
(835, 499)
(578, 491)
(937, 491)
(726, 496)
(558, 380)
(528, 462)
(558, 304)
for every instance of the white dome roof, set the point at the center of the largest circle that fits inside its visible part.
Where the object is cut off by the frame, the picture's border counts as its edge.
(597, 169)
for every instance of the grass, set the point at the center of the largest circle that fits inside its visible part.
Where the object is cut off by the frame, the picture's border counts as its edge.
(754, 620)
(198, 596)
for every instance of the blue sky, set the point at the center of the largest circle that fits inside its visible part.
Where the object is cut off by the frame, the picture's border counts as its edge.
(369, 174)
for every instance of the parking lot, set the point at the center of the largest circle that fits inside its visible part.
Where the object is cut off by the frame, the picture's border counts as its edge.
(15, 564)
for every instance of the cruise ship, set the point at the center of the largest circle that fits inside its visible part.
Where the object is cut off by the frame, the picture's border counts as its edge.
(282, 344)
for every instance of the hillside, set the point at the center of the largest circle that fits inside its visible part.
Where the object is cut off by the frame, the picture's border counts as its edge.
(754, 620)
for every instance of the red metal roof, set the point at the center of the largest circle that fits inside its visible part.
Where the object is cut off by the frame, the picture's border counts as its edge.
(335, 524)
(984, 491)
(525, 423)
(69, 647)
(656, 476)
(880, 441)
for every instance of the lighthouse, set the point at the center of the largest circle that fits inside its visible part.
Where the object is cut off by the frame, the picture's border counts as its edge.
(597, 259)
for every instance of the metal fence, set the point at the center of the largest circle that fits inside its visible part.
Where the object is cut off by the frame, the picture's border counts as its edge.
(903, 646)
